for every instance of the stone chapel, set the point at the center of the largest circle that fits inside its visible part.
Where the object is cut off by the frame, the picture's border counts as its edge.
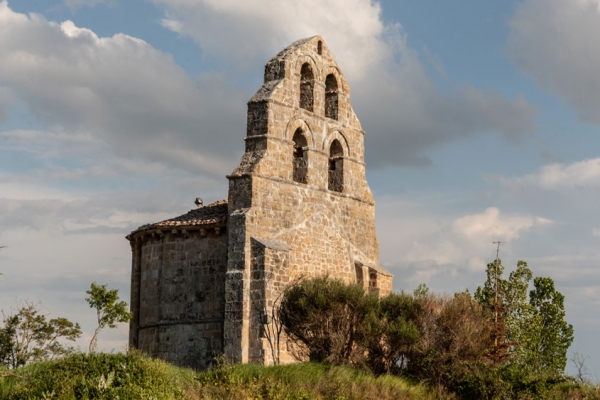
(298, 206)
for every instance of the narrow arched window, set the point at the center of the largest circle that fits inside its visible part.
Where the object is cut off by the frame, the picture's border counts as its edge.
(307, 84)
(373, 284)
(320, 48)
(336, 167)
(331, 97)
(360, 279)
(300, 161)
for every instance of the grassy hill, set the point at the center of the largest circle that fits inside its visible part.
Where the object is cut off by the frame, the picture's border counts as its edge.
(134, 376)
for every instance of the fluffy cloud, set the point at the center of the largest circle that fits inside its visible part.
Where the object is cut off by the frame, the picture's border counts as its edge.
(140, 105)
(490, 225)
(580, 174)
(250, 32)
(127, 94)
(448, 249)
(400, 107)
(556, 43)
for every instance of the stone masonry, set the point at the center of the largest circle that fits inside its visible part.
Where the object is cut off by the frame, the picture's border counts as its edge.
(299, 206)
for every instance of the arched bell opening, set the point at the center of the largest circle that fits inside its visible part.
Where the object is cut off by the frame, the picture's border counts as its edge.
(300, 159)
(336, 167)
(331, 97)
(307, 85)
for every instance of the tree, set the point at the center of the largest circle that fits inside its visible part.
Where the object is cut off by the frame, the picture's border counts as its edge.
(535, 328)
(549, 353)
(29, 336)
(493, 297)
(109, 309)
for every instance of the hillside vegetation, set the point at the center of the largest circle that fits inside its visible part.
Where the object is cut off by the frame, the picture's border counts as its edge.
(135, 376)
(500, 343)
(503, 342)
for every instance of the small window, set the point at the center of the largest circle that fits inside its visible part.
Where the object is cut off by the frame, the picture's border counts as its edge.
(372, 279)
(336, 167)
(359, 274)
(300, 162)
(320, 48)
(307, 84)
(331, 97)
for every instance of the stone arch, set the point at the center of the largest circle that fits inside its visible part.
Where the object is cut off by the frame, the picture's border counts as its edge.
(339, 77)
(296, 123)
(336, 134)
(331, 97)
(307, 87)
(300, 157)
(307, 59)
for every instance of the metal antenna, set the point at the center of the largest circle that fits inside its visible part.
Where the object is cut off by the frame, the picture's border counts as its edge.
(498, 248)
(498, 243)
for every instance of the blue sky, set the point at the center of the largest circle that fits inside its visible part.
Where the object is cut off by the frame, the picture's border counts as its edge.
(482, 123)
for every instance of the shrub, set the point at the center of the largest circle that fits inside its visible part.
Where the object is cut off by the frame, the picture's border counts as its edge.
(452, 331)
(389, 331)
(325, 316)
(97, 376)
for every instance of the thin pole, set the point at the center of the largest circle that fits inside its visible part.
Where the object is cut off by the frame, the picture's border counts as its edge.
(498, 243)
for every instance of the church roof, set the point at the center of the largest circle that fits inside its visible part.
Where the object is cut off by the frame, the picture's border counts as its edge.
(214, 213)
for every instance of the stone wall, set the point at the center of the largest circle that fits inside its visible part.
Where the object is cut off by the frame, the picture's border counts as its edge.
(327, 231)
(179, 299)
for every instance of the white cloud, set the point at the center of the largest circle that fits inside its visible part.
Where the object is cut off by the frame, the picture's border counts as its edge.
(442, 251)
(557, 176)
(250, 32)
(400, 107)
(14, 190)
(420, 242)
(52, 159)
(556, 43)
(130, 96)
(490, 225)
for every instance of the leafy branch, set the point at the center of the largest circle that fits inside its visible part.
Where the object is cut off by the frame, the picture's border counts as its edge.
(109, 310)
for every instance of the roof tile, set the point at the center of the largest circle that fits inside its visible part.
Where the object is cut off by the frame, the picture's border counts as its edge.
(214, 213)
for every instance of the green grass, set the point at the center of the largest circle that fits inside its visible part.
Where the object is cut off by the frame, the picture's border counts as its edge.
(97, 376)
(134, 376)
(305, 381)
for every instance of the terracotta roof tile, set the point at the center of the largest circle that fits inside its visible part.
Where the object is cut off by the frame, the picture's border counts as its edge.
(214, 213)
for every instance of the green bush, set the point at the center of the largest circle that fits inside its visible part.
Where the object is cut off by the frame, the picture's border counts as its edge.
(134, 376)
(389, 331)
(453, 332)
(325, 316)
(444, 341)
(97, 376)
